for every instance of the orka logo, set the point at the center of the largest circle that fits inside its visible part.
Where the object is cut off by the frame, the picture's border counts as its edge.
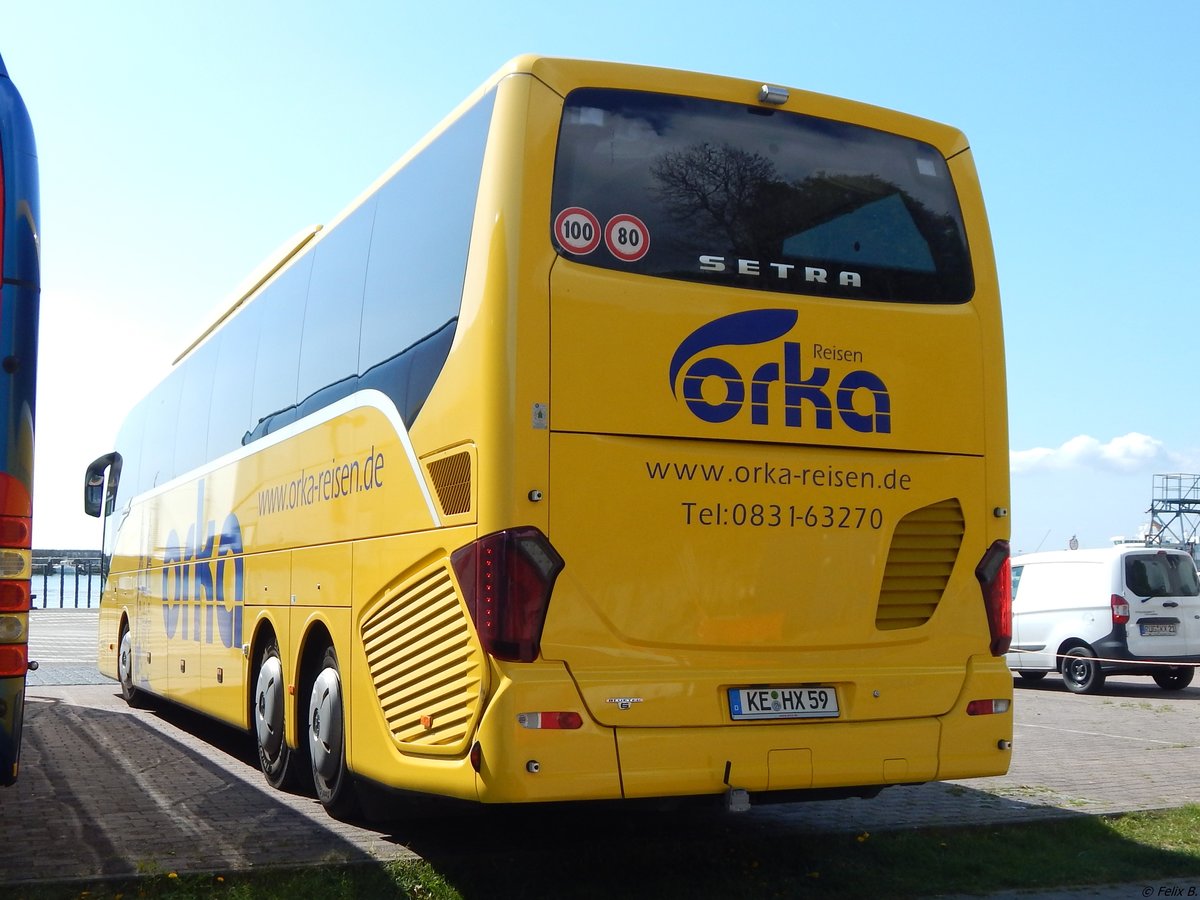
(203, 580)
(803, 393)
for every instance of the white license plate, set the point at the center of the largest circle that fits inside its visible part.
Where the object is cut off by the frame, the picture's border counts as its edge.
(783, 703)
(1154, 628)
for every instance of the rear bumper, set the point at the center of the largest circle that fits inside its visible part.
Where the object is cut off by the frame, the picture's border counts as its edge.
(820, 755)
(596, 762)
(1116, 659)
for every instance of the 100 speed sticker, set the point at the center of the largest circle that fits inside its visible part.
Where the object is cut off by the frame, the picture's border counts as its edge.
(577, 230)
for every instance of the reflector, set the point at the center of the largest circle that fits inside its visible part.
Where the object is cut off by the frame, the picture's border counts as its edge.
(550, 720)
(11, 628)
(14, 563)
(987, 707)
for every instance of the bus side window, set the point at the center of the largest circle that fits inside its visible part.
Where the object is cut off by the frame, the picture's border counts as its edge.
(278, 358)
(233, 383)
(158, 440)
(333, 312)
(195, 404)
(426, 212)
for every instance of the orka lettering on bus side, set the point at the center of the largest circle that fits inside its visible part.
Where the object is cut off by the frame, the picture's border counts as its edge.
(802, 391)
(199, 576)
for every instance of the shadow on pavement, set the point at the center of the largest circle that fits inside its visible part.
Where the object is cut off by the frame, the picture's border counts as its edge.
(106, 793)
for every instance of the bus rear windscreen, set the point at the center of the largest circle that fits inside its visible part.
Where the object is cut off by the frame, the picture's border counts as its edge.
(710, 191)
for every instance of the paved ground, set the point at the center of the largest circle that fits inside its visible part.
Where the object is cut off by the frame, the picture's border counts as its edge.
(105, 789)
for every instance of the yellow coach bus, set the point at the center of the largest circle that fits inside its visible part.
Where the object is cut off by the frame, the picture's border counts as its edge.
(639, 434)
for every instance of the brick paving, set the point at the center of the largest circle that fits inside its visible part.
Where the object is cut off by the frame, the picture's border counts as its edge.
(108, 790)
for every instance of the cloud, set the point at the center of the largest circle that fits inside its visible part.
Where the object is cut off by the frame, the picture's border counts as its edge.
(1127, 453)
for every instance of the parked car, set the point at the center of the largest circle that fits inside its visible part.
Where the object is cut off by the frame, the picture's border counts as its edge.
(1130, 610)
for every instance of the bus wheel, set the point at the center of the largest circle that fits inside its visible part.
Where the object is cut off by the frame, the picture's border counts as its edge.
(270, 700)
(326, 740)
(1080, 671)
(1175, 678)
(132, 695)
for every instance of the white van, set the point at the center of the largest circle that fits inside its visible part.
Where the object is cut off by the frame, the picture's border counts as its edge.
(1130, 610)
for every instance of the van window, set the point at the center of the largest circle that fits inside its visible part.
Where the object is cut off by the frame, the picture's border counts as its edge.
(1161, 575)
(1016, 579)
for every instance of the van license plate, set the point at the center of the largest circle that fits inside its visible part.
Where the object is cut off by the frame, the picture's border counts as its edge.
(1156, 628)
(783, 703)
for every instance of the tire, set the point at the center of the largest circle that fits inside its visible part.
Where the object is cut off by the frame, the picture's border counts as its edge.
(1080, 671)
(276, 759)
(1175, 678)
(134, 697)
(1031, 675)
(326, 741)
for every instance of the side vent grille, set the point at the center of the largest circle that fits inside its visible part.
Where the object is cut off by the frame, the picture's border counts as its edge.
(919, 563)
(451, 476)
(425, 665)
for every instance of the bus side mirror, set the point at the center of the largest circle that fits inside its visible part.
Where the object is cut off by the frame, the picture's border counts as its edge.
(96, 499)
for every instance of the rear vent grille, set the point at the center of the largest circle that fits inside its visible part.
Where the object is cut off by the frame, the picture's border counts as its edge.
(425, 665)
(451, 476)
(919, 563)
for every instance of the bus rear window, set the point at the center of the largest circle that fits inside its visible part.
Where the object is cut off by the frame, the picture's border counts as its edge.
(716, 192)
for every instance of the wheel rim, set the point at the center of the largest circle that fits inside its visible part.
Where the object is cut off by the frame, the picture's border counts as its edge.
(268, 707)
(1079, 669)
(325, 724)
(124, 662)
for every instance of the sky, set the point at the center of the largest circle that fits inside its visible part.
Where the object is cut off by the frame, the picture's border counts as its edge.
(181, 143)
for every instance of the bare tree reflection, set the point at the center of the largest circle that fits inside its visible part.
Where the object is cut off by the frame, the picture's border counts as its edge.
(727, 197)
(705, 186)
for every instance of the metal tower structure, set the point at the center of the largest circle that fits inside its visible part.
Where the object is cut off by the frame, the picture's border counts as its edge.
(1175, 512)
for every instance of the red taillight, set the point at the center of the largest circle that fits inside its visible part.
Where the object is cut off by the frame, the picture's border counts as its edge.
(15, 531)
(14, 660)
(1120, 610)
(14, 596)
(995, 578)
(506, 579)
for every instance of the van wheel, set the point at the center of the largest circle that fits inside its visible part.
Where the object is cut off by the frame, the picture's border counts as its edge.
(1031, 675)
(1175, 678)
(1080, 671)
(327, 741)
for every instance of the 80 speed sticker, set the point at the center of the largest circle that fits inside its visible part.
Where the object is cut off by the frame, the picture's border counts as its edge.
(627, 237)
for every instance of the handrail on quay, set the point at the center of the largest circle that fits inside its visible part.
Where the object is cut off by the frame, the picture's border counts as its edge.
(66, 579)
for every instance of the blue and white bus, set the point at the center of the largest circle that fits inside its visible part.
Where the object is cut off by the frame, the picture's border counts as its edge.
(18, 382)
